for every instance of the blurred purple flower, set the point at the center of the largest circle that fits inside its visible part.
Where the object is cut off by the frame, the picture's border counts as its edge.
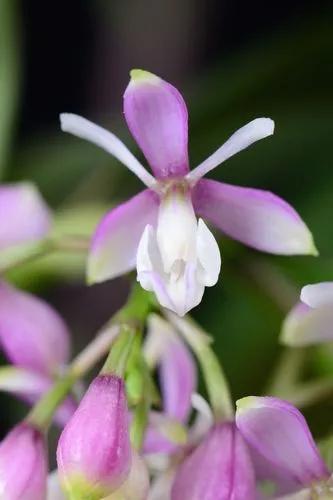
(311, 320)
(25, 217)
(32, 334)
(176, 256)
(23, 464)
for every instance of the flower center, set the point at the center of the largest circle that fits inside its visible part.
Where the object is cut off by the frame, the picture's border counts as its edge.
(179, 257)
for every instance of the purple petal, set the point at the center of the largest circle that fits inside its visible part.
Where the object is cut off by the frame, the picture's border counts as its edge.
(279, 433)
(319, 294)
(115, 242)
(178, 379)
(219, 468)
(32, 333)
(156, 115)
(156, 442)
(177, 369)
(23, 464)
(306, 326)
(257, 218)
(24, 215)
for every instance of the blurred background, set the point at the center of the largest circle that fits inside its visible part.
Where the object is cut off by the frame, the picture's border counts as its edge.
(233, 61)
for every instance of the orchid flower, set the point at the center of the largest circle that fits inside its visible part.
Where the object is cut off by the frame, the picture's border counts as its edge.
(311, 320)
(175, 254)
(279, 435)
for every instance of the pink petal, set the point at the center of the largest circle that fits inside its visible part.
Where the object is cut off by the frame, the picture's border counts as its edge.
(257, 218)
(279, 433)
(218, 469)
(115, 242)
(23, 464)
(156, 115)
(32, 333)
(24, 215)
(318, 294)
(306, 326)
(178, 379)
(177, 369)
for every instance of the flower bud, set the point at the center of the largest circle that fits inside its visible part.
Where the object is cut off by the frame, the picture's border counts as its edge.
(23, 464)
(220, 468)
(94, 452)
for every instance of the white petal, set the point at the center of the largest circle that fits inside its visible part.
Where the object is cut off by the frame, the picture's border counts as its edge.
(251, 132)
(176, 230)
(179, 295)
(161, 486)
(85, 129)
(319, 294)
(208, 253)
(204, 419)
(54, 491)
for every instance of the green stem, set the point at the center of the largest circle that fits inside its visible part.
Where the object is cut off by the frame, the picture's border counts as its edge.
(42, 413)
(24, 254)
(288, 370)
(142, 408)
(216, 382)
(116, 361)
(139, 422)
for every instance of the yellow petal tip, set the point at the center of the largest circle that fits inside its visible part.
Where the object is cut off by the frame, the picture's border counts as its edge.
(142, 76)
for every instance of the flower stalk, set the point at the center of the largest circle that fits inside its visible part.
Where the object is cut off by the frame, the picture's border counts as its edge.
(24, 254)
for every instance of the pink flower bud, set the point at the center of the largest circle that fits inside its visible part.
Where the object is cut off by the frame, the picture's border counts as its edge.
(23, 464)
(94, 451)
(220, 468)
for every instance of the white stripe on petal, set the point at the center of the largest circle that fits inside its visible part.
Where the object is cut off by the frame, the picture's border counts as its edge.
(243, 138)
(85, 129)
